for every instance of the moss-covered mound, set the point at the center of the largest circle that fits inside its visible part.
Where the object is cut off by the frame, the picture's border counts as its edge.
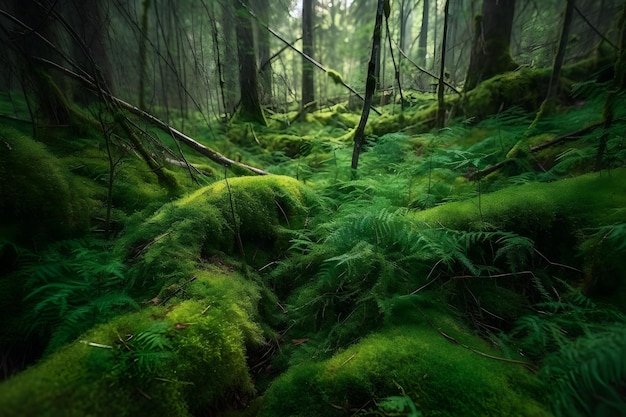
(577, 220)
(171, 360)
(591, 199)
(243, 215)
(40, 199)
(432, 365)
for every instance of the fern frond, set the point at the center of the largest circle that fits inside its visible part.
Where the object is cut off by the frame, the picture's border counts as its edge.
(588, 375)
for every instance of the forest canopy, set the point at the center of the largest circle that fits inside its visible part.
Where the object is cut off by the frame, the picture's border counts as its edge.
(312, 208)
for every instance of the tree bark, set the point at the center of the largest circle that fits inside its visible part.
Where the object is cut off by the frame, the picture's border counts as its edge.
(250, 105)
(35, 35)
(143, 71)
(308, 91)
(492, 39)
(422, 44)
(231, 70)
(265, 72)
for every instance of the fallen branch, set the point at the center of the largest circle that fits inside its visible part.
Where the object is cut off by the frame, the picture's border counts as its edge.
(571, 135)
(192, 143)
(567, 136)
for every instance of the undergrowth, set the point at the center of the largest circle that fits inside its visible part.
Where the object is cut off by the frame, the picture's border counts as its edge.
(72, 286)
(352, 270)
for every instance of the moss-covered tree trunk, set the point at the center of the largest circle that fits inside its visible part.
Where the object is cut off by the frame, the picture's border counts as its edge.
(491, 53)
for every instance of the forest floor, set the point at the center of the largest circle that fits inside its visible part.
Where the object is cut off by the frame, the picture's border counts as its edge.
(475, 270)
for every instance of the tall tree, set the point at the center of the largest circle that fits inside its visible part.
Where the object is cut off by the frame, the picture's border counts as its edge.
(250, 105)
(230, 81)
(422, 44)
(262, 9)
(308, 89)
(491, 53)
(90, 20)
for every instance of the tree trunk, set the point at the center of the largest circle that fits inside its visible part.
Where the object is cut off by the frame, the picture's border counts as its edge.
(370, 87)
(231, 65)
(262, 8)
(143, 40)
(422, 44)
(308, 92)
(249, 106)
(90, 20)
(36, 39)
(492, 39)
(560, 55)
(441, 109)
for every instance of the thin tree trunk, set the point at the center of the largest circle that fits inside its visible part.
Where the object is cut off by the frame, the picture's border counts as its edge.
(145, 6)
(370, 87)
(308, 94)
(441, 109)
(560, 55)
(265, 65)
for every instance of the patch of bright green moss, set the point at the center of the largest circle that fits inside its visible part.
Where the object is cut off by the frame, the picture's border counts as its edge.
(228, 215)
(441, 377)
(589, 198)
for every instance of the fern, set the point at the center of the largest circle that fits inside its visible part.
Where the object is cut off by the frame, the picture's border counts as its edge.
(151, 348)
(74, 285)
(587, 377)
(398, 406)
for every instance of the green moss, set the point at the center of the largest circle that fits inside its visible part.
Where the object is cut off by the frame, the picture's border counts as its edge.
(162, 361)
(441, 377)
(335, 76)
(218, 217)
(41, 200)
(589, 198)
